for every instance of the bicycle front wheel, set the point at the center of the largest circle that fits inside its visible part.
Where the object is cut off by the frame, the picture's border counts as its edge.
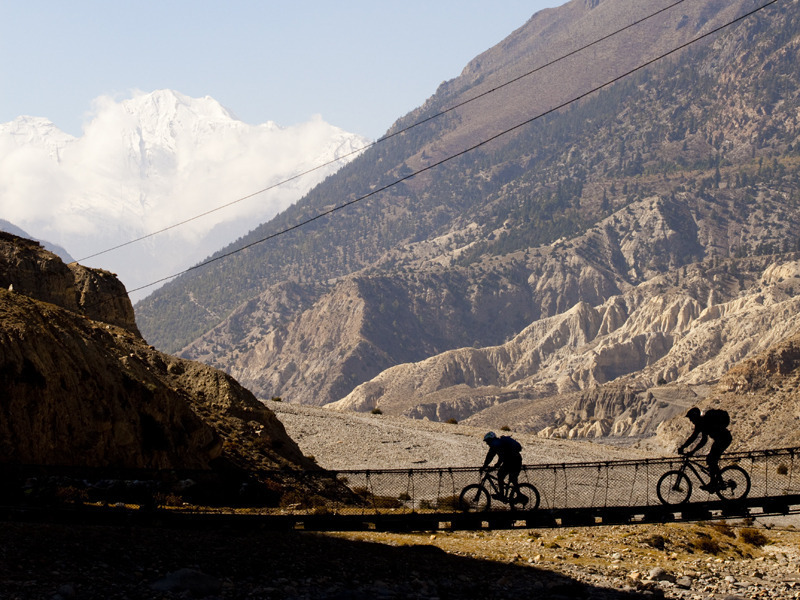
(525, 497)
(474, 498)
(674, 487)
(735, 483)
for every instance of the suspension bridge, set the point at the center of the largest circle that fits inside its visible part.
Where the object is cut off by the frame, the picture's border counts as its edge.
(569, 494)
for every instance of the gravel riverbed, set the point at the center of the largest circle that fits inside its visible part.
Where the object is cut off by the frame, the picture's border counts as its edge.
(343, 440)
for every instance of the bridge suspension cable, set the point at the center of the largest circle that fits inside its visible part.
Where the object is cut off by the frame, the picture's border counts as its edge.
(458, 154)
(386, 137)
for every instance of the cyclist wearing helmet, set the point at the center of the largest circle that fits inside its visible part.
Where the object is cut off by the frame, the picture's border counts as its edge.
(713, 424)
(509, 459)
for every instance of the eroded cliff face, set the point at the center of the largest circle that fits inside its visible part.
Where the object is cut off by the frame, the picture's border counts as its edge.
(368, 321)
(616, 369)
(79, 385)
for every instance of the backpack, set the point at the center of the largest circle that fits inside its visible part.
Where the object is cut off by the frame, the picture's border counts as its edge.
(717, 419)
(510, 443)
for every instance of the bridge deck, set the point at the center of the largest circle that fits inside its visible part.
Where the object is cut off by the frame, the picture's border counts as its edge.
(412, 521)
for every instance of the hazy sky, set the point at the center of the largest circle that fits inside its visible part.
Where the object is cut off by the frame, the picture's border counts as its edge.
(360, 64)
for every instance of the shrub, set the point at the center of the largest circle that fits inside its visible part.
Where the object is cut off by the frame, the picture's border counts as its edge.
(72, 495)
(656, 541)
(724, 528)
(505, 428)
(376, 500)
(386, 502)
(167, 499)
(707, 544)
(452, 421)
(448, 503)
(377, 411)
(753, 537)
(552, 545)
(301, 499)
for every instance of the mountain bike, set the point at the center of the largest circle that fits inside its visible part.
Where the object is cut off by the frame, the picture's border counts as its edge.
(477, 497)
(675, 486)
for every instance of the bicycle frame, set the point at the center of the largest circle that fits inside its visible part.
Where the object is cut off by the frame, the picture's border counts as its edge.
(695, 466)
(492, 483)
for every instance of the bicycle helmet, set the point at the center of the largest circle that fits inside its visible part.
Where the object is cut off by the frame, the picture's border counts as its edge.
(694, 413)
(489, 436)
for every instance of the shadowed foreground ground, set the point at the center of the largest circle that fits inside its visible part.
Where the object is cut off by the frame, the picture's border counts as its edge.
(66, 562)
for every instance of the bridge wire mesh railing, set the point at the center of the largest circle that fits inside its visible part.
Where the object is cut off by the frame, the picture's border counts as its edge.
(601, 484)
(604, 484)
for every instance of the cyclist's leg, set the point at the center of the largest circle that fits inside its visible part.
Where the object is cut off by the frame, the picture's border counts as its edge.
(514, 467)
(719, 446)
(502, 473)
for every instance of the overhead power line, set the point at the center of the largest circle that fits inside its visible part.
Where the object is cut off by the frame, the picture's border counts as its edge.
(460, 153)
(381, 139)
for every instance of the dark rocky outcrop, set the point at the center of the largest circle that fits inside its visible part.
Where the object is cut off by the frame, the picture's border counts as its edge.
(79, 385)
(32, 271)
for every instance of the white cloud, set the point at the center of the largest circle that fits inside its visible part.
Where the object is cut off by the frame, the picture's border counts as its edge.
(145, 163)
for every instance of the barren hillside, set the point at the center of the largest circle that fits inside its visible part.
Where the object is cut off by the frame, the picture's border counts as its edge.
(80, 387)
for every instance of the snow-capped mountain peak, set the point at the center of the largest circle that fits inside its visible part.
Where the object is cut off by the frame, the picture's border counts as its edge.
(33, 133)
(152, 160)
(166, 114)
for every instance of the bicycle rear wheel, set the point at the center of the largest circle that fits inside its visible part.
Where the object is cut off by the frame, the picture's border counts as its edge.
(474, 498)
(674, 487)
(525, 497)
(735, 483)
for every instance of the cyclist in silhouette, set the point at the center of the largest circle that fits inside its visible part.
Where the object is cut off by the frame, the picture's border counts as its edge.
(509, 460)
(713, 424)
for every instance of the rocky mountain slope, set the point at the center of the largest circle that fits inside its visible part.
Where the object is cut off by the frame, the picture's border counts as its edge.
(762, 395)
(79, 385)
(622, 240)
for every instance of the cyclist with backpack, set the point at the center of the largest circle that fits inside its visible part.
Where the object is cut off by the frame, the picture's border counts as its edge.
(712, 424)
(509, 460)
